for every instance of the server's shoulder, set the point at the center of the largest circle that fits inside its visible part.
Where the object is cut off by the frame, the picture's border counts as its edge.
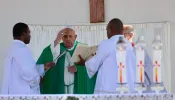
(21, 50)
(105, 43)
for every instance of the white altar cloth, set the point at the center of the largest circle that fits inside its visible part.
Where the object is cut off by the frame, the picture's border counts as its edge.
(90, 97)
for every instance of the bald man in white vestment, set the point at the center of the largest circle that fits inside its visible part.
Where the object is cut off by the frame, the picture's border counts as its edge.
(105, 62)
(21, 74)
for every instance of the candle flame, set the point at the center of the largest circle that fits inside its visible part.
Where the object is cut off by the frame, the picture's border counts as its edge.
(156, 47)
(120, 48)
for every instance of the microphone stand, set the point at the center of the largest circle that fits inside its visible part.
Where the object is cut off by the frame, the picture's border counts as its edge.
(55, 61)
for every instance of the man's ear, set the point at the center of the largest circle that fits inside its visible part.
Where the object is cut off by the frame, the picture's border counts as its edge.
(75, 37)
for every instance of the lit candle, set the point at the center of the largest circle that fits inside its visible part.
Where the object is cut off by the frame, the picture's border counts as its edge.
(141, 76)
(121, 63)
(121, 74)
(140, 56)
(157, 66)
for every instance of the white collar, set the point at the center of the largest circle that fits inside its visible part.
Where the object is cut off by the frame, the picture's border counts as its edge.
(19, 41)
(116, 37)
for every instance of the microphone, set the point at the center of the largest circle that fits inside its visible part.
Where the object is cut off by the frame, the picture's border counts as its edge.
(55, 61)
(60, 55)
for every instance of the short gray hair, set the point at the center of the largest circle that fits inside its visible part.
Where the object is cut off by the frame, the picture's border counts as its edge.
(128, 29)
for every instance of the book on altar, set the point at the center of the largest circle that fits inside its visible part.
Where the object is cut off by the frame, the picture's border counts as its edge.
(85, 51)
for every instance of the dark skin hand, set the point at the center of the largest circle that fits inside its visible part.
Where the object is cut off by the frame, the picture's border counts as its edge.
(82, 61)
(47, 66)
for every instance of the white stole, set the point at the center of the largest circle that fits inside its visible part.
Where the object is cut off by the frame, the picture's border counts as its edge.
(68, 77)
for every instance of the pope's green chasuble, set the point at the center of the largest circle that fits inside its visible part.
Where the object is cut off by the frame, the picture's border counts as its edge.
(54, 79)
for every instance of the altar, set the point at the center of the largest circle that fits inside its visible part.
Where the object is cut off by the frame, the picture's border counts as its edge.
(91, 97)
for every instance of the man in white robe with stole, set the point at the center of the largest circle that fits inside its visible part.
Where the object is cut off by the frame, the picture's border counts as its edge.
(21, 74)
(105, 61)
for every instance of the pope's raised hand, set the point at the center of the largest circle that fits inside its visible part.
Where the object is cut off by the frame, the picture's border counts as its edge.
(59, 36)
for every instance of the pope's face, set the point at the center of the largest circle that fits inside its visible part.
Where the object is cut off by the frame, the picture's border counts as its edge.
(69, 38)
